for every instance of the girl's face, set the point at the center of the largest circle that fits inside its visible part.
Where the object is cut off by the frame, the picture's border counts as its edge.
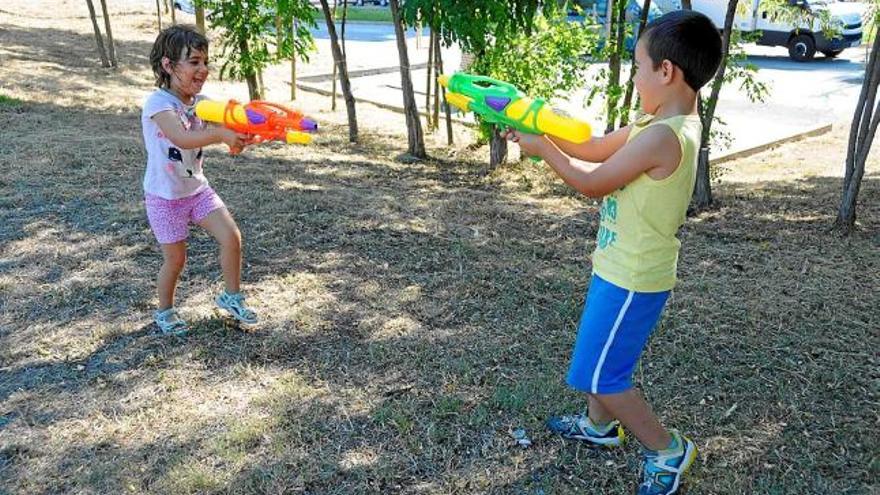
(188, 74)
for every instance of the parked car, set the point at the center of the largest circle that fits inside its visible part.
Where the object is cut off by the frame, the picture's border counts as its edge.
(802, 41)
(185, 6)
(597, 9)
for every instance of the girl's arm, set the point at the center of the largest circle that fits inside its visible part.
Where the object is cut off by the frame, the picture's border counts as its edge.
(655, 151)
(596, 150)
(170, 125)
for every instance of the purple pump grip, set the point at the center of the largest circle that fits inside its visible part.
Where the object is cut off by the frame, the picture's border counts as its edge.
(497, 103)
(254, 117)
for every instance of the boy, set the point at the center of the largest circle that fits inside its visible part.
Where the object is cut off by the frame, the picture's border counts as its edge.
(646, 179)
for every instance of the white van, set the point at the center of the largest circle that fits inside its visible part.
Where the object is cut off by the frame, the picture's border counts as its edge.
(802, 41)
(185, 6)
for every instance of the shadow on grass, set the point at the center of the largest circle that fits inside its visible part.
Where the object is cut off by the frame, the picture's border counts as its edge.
(414, 315)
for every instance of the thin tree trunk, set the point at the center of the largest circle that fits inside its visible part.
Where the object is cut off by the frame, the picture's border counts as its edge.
(430, 69)
(865, 107)
(415, 139)
(293, 77)
(293, 61)
(279, 34)
(333, 89)
(341, 41)
(110, 44)
(333, 84)
(613, 94)
(703, 185)
(342, 31)
(159, 14)
(98, 38)
(630, 84)
(251, 77)
(438, 61)
(497, 149)
(436, 40)
(200, 20)
(339, 63)
(861, 137)
(609, 15)
(173, 13)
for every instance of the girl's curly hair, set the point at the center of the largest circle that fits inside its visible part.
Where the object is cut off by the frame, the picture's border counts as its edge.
(171, 43)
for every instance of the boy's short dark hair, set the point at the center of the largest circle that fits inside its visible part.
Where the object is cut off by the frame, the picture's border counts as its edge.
(689, 40)
(171, 43)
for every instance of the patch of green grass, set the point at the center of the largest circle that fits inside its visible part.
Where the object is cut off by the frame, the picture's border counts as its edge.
(532, 397)
(366, 14)
(479, 416)
(395, 414)
(241, 438)
(8, 101)
(446, 406)
(192, 478)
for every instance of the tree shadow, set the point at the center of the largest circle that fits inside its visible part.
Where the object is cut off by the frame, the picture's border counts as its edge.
(415, 313)
(71, 61)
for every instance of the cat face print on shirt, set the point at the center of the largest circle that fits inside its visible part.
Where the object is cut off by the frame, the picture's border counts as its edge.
(181, 162)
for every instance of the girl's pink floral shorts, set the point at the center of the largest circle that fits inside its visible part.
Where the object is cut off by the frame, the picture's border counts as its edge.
(170, 218)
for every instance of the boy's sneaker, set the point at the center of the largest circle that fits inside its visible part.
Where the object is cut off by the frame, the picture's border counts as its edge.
(663, 469)
(579, 427)
(234, 304)
(170, 323)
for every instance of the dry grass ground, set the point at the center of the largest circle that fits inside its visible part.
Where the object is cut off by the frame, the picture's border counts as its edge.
(414, 314)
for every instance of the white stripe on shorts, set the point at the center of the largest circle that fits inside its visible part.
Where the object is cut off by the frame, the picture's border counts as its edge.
(594, 388)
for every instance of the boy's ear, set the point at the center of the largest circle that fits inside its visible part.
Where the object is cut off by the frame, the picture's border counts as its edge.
(667, 70)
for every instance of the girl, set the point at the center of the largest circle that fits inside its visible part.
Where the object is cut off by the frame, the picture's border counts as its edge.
(175, 189)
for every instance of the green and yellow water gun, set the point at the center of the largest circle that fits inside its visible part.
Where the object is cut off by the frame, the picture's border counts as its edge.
(501, 103)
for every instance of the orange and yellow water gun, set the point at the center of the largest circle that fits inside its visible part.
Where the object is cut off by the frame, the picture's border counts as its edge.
(501, 103)
(264, 121)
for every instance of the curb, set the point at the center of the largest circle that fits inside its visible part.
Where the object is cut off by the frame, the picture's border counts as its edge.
(734, 155)
(358, 73)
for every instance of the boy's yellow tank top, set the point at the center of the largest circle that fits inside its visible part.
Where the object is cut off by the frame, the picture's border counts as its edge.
(636, 246)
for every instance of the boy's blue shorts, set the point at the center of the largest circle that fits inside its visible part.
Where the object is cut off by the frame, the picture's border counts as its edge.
(613, 331)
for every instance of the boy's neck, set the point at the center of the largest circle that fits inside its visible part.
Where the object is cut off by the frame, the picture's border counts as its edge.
(685, 104)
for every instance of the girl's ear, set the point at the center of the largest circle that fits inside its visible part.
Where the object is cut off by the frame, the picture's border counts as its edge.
(166, 64)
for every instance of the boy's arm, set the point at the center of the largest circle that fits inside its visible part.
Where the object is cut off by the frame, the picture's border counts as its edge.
(170, 125)
(596, 150)
(655, 151)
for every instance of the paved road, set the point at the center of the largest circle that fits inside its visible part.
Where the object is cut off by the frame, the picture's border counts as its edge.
(361, 31)
(832, 84)
(802, 96)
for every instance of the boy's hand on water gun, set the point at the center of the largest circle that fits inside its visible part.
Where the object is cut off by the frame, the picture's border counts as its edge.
(531, 145)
